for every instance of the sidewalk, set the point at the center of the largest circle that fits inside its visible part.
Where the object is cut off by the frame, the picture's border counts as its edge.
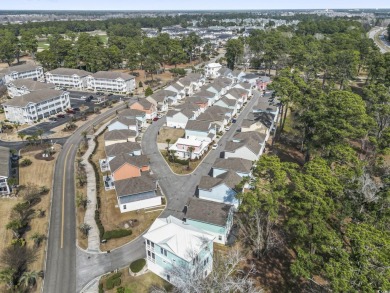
(93, 235)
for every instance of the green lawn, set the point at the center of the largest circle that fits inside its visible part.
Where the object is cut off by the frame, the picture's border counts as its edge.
(43, 44)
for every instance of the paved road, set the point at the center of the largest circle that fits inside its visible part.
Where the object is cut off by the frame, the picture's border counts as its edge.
(177, 188)
(372, 35)
(60, 269)
(17, 145)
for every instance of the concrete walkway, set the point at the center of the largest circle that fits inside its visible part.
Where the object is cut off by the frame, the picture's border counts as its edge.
(93, 235)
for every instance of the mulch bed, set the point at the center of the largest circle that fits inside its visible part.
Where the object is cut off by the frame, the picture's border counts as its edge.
(40, 157)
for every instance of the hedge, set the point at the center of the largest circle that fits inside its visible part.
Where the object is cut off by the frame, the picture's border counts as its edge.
(137, 266)
(116, 234)
(99, 224)
(113, 281)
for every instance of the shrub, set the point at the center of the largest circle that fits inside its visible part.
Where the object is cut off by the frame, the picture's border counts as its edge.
(116, 234)
(25, 163)
(99, 224)
(101, 290)
(181, 162)
(113, 281)
(148, 92)
(137, 266)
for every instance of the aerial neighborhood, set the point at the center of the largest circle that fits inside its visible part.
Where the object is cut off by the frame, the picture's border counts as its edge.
(194, 151)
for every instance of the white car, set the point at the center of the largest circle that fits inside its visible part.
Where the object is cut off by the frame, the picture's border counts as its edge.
(227, 128)
(214, 147)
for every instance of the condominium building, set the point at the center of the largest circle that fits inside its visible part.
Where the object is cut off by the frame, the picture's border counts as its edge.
(20, 87)
(108, 81)
(67, 77)
(36, 105)
(211, 70)
(5, 167)
(25, 71)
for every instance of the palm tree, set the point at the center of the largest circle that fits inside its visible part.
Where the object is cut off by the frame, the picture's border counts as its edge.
(29, 279)
(15, 226)
(21, 135)
(84, 228)
(39, 133)
(191, 150)
(168, 140)
(7, 277)
(38, 238)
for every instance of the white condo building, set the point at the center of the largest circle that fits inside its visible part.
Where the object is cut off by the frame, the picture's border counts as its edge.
(110, 81)
(20, 87)
(25, 71)
(67, 77)
(211, 70)
(36, 105)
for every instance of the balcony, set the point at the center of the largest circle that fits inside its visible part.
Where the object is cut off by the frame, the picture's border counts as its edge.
(108, 182)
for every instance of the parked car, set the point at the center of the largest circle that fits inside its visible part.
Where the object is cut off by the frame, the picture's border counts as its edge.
(70, 111)
(52, 118)
(76, 109)
(227, 128)
(234, 120)
(155, 118)
(60, 116)
(214, 147)
(83, 97)
(110, 94)
(159, 116)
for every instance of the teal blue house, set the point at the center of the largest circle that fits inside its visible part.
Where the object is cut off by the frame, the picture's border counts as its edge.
(174, 246)
(213, 217)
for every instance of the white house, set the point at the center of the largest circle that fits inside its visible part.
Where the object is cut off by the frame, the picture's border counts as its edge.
(182, 148)
(20, 87)
(36, 105)
(178, 88)
(212, 217)
(109, 81)
(179, 119)
(227, 103)
(121, 122)
(200, 130)
(221, 188)
(135, 114)
(118, 136)
(248, 149)
(5, 167)
(24, 71)
(137, 193)
(242, 167)
(211, 70)
(67, 77)
(174, 246)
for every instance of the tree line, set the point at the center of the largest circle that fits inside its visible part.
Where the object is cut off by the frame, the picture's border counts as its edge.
(331, 208)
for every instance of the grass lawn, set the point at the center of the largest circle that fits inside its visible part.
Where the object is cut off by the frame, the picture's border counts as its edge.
(43, 44)
(110, 214)
(40, 172)
(140, 284)
(172, 133)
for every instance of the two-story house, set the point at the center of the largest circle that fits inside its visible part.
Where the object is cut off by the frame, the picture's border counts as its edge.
(144, 105)
(121, 122)
(135, 114)
(174, 246)
(211, 70)
(185, 148)
(119, 135)
(222, 188)
(241, 166)
(200, 130)
(179, 119)
(213, 217)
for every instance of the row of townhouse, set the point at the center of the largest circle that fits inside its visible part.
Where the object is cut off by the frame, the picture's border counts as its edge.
(5, 170)
(128, 170)
(172, 245)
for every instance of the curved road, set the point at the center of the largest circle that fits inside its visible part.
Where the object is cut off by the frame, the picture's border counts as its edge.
(69, 268)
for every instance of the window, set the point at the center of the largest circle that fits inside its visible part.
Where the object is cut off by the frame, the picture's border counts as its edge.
(163, 251)
(148, 253)
(148, 242)
(168, 278)
(220, 237)
(124, 206)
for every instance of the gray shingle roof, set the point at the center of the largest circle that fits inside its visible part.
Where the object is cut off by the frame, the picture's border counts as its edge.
(123, 147)
(250, 143)
(32, 85)
(233, 164)
(112, 75)
(125, 121)
(20, 68)
(198, 125)
(208, 211)
(33, 97)
(120, 160)
(119, 134)
(144, 103)
(197, 100)
(230, 179)
(237, 92)
(132, 113)
(69, 71)
(136, 185)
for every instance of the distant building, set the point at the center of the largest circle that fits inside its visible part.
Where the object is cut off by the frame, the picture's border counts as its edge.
(211, 70)
(36, 105)
(5, 166)
(109, 81)
(66, 77)
(25, 71)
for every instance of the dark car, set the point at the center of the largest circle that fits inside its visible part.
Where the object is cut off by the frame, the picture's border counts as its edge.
(60, 116)
(155, 118)
(234, 120)
(70, 111)
(53, 119)
(76, 109)
(110, 94)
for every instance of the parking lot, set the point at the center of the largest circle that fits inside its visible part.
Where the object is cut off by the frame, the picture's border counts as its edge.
(76, 101)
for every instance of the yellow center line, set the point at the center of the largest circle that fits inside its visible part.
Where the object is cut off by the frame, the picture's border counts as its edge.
(63, 198)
